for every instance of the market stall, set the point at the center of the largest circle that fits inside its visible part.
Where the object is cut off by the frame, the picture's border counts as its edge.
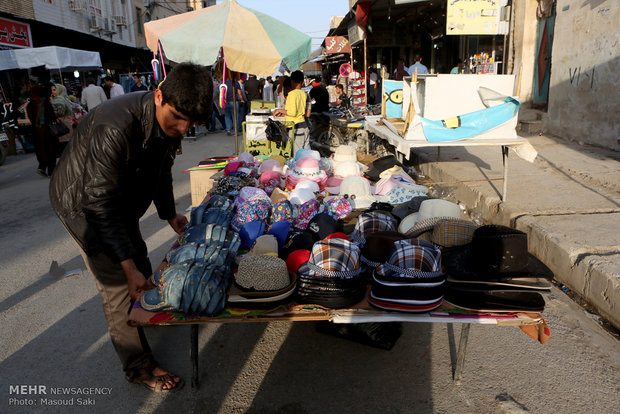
(340, 240)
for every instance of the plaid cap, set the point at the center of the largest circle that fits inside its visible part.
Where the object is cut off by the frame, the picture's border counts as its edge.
(371, 222)
(413, 259)
(333, 258)
(451, 233)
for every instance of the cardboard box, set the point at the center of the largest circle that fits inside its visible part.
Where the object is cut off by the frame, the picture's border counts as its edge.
(200, 184)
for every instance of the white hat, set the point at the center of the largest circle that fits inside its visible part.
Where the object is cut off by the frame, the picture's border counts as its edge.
(345, 153)
(430, 208)
(357, 191)
(301, 196)
(307, 184)
(346, 169)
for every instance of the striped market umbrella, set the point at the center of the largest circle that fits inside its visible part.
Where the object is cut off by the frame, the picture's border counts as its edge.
(252, 41)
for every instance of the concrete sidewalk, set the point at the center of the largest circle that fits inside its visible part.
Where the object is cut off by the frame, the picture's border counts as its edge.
(567, 200)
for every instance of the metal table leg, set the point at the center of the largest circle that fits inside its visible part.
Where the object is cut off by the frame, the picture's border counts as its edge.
(460, 357)
(505, 163)
(193, 351)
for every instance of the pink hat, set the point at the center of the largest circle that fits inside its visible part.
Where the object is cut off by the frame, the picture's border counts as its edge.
(333, 185)
(306, 169)
(385, 186)
(270, 165)
(267, 176)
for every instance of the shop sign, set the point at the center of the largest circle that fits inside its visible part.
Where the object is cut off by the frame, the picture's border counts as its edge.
(337, 44)
(475, 17)
(15, 34)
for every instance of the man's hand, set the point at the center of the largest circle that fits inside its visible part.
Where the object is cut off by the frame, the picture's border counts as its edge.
(279, 112)
(177, 223)
(137, 283)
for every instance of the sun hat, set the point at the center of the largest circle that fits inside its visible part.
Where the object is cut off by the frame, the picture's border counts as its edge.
(338, 208)
(271, 178)
(332, 185)
(382, 187)
(371, 222)
(265, 244)
(305, 212)
(357, 191)
(412, 206)
(402, 193)
(306, 169)
(411, 280)
(309, 185)
(251, 210)
(281, 160)
(282, 211)
(428, 209)
(398, 173)
(246, 158)
(278, 195)
(307, 153)
(270, 165)
(232, 167)
(495, 252)
(347, 169)
(301, 196)
(251, 193)
(344, 153)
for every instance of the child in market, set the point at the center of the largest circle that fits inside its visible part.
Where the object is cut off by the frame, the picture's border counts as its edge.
(296, 111)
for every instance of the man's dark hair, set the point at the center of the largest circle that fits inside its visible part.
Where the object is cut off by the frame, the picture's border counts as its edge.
(108, 78)
(189, 89)
(339, 86)
(90, 81)
(297, 77)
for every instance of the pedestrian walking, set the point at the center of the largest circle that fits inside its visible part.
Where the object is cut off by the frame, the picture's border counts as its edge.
(115, 88)
(92, 95)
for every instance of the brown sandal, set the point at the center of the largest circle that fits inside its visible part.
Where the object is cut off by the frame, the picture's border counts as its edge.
(141, 375)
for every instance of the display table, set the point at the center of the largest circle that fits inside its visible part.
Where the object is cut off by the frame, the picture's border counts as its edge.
(361, 313)
(521, 146)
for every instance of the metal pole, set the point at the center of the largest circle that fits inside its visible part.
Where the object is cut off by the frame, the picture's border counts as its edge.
(235, 114)
(460, 356)
(365, 73)
(61, 81)
(193, 352)
(505, 150)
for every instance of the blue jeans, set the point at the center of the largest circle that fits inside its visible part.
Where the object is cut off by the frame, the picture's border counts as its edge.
(217, 117)
(229, 114)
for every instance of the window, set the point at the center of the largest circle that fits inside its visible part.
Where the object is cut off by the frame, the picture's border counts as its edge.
(94, 7)
(139, 19)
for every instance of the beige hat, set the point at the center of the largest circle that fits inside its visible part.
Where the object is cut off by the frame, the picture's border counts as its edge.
(262, 273)
(265, 244)
(357, 191)
(279, 195)
(345, 153)
(428, 209)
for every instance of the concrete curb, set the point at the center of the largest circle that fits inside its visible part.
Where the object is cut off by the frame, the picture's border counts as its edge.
(580, 245)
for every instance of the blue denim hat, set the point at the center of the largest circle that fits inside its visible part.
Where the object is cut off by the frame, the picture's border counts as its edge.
(170, 290)
(280, 230)
(192, 279)
(217, 202)
(250, 232)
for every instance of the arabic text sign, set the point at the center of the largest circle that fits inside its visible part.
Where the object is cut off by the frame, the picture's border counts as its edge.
(13, 33)
(337, 44)
(473, 17)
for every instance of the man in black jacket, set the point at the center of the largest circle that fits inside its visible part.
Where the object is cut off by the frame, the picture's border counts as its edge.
(118, 162)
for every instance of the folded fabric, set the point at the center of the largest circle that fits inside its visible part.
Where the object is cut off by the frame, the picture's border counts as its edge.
(402, 193)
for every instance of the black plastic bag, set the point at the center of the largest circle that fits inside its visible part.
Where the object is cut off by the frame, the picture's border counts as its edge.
(276, 132)
(379, 335)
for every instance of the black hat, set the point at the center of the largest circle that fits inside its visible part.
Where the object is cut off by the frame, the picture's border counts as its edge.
(381, 164)
(495, 253)
(322, 225)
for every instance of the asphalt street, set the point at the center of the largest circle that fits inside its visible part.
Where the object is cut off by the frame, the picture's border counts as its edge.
(53, 336)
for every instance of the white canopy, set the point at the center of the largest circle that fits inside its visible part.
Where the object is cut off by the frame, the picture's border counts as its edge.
(52, 57)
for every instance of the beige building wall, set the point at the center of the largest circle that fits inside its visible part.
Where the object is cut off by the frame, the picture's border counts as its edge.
(522, 48)
(584, 96)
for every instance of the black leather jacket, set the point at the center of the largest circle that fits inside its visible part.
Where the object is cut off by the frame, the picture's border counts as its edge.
(116, 164)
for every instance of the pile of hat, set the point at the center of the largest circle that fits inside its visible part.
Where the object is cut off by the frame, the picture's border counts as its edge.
(495, 272)
(333, 232)
(199, 270)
